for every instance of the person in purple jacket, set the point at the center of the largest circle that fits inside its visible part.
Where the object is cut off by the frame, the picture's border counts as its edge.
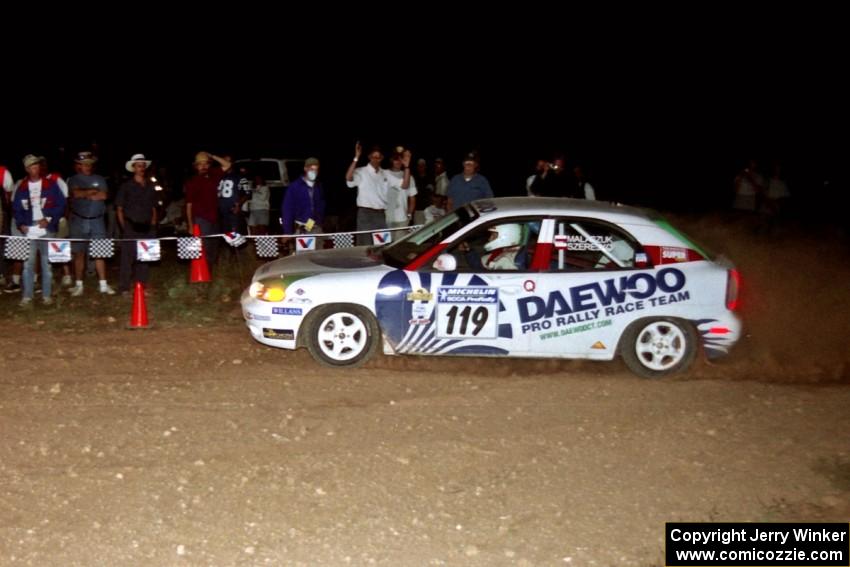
(303, 210)
(38, 205)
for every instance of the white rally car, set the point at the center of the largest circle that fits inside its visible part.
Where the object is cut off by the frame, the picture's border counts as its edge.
(527, 277)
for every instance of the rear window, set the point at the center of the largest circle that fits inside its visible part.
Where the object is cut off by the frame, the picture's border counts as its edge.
(683, 237)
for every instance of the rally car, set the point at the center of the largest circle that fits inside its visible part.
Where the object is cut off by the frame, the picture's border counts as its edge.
(524, 277)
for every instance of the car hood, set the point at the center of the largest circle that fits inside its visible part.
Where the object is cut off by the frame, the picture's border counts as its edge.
(321, 261)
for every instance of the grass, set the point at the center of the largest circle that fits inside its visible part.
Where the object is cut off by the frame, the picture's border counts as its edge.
(173, 300)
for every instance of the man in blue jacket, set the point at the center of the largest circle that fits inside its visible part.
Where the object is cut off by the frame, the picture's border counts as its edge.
(38, 205)
(303, 209)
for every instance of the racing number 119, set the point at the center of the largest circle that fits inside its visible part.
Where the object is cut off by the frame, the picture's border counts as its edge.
(479, 319)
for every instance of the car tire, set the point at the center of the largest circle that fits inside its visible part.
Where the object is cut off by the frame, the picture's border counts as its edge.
(342, 335)
(659, 346)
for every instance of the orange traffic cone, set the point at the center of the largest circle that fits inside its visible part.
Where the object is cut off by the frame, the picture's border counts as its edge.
(139, 314)
(199, 271)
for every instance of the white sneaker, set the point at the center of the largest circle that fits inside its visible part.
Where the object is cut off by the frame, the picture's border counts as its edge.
(67, 281)
(106, 290)
(76, 291)
(47, 300)
(26, 302)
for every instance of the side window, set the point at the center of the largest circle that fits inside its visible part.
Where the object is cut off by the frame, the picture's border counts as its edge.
(498, 247)
(268, 169)
(591, 245)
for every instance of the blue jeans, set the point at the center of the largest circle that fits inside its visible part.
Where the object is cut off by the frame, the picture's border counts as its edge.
(86, 228)
(38, 247)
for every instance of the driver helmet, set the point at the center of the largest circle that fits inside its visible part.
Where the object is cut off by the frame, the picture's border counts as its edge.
(506, 235)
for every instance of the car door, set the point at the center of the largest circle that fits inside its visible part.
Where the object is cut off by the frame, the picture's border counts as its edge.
(472, 309)
(581, 297)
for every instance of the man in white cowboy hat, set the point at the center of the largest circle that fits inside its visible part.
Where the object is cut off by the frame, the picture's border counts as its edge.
(88, 207)
(137, 158)
(135, 207)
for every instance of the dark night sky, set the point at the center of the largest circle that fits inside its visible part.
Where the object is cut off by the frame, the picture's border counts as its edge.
(660, 119)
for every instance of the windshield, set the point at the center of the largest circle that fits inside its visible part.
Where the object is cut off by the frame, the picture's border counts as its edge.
(294, 170)
(401, 252)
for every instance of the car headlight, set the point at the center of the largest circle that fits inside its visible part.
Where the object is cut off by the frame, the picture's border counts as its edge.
(263, 292)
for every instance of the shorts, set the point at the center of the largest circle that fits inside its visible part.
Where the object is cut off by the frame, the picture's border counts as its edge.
(258, 217)
(86, 228)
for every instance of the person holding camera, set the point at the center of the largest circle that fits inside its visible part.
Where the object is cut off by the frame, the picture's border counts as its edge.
(540, 172)
(558, 181)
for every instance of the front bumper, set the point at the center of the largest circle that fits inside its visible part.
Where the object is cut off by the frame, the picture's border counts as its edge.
(273, 324)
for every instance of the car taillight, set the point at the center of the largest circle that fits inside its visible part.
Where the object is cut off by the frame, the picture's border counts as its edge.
(733, 288)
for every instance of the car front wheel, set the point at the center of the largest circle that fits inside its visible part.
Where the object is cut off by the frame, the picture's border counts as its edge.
(658, 347)
(342, 335)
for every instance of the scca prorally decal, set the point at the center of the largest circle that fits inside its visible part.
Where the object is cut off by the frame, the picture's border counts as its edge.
(610, 297)
(468, 295)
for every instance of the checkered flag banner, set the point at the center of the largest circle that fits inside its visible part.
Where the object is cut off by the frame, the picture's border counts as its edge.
(17, 248)
(101, 248)
(343, 240)
(267, 246)
(188, 248)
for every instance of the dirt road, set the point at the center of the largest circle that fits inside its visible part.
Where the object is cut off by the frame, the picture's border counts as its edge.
(192, 445)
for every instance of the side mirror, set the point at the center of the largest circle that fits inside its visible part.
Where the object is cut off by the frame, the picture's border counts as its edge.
(445, 263)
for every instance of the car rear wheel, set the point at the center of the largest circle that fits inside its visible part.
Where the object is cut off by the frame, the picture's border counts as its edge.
(658, 347)
(342, 335)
